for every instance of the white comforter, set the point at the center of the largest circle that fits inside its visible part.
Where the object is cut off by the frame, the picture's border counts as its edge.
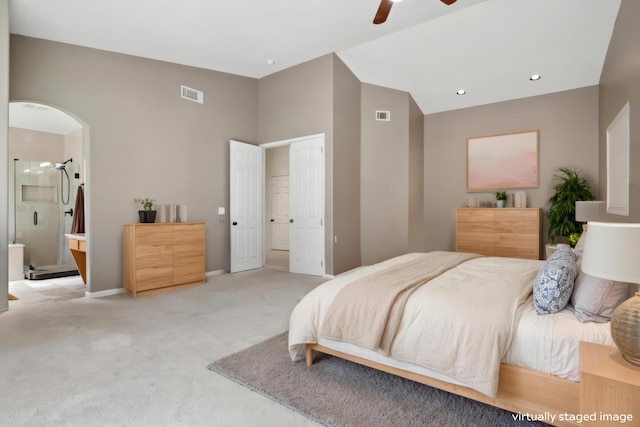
(459, 324)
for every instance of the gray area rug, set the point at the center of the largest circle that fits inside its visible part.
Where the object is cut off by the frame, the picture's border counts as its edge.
(335, 392)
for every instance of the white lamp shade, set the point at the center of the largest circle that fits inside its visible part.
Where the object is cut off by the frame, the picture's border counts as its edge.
(612, 251)
(589, 211)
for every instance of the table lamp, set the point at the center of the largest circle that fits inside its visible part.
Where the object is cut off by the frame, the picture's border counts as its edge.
(589, 211)
(612, 252)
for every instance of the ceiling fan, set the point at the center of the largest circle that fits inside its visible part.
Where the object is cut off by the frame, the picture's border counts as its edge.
(385, 8)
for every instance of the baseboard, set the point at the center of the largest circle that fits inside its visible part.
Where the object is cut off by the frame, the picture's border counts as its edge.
(105, 293)
(117, 291)
(215, 273)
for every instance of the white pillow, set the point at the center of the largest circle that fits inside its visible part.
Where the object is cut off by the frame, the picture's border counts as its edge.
(594, 299)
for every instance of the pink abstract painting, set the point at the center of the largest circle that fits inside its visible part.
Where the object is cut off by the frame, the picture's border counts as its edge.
(501, 162)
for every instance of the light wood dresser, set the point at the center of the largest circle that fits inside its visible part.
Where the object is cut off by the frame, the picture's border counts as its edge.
(505, 232)
(160, 257)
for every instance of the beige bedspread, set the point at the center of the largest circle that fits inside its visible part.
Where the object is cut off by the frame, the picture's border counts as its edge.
(460, 323)
(368, 311)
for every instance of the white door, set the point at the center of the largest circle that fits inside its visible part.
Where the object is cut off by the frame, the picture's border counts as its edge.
(280, 213)
(246, 176)
(306, 168)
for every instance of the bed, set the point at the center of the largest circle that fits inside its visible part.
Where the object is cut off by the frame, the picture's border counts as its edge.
(460, 322)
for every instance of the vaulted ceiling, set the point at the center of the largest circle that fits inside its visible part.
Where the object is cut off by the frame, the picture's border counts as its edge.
(489, 48)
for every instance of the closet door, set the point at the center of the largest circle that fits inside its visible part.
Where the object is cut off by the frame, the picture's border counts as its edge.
(246, 194)
(306, 238)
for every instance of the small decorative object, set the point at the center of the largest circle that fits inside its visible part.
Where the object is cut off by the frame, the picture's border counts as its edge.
(611, 252)
(562, 204)
(520, 199)
(501, 198)
(148, 215)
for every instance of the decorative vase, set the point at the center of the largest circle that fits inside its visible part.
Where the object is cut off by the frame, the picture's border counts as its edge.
(500, 203)
(147, 217)
(624, 329)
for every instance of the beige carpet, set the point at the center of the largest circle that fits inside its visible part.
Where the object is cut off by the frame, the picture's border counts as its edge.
(336, 392)
(120, 361)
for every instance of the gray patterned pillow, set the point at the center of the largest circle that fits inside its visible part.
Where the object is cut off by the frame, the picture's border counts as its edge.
(554, 282)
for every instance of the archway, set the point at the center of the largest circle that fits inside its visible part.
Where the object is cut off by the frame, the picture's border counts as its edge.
(47, 152)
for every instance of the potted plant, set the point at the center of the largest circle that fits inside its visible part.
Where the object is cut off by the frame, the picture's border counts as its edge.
(501, 198)
(147, 215)
(562, 204)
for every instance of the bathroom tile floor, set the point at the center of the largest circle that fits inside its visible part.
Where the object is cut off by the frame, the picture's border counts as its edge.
(30, 292)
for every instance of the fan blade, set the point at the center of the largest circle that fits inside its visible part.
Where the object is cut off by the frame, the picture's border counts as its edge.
(448, 2)
(383, 11)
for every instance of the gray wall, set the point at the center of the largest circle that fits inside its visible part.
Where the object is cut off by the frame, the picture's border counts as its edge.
(145, 141)
(416, 178)
(4, 125)
(385, 168)
(298, 102)
(619, 83)
(346, 168)
(322, 96)
(568, 124)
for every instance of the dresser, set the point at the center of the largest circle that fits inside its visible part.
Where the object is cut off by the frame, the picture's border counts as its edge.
(160, 257)
(505, 232)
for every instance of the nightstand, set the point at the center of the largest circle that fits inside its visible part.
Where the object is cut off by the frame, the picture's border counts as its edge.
(609, 387)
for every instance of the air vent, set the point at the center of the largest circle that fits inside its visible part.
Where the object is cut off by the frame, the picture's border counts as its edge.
(192, 94)
(384, 116)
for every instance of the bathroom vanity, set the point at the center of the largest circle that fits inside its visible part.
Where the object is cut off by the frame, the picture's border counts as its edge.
(78, 247)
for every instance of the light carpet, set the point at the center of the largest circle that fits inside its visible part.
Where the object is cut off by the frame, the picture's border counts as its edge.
(336, 392)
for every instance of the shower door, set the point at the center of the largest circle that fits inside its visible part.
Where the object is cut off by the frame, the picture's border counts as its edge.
(42, 195)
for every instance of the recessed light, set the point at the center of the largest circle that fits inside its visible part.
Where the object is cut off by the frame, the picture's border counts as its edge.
(461, 92)
(271, 61)
(535, 77)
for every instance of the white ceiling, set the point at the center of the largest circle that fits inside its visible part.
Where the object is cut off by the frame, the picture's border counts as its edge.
(29, 115)
(488, 47)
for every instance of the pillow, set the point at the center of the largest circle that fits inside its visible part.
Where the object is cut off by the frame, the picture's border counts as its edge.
(579, 248)
(594, 299)
(554, 282)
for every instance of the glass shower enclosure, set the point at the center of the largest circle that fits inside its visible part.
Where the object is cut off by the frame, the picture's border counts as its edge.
(41, 200)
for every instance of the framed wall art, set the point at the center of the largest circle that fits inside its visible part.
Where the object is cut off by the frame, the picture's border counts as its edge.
(499, 162)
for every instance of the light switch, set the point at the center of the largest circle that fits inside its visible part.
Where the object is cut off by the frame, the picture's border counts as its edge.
(221, 211)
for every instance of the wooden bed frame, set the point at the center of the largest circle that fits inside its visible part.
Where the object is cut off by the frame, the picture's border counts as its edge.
(520, 390)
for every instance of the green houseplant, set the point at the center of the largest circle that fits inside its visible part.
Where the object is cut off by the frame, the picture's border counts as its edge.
(562, 204)
(501, 197)
(147, 215)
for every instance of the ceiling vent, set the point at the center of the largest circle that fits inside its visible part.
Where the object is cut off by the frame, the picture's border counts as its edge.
(384, 116)
(192, 94)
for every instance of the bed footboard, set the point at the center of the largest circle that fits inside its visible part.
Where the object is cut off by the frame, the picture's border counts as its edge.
(520, 390)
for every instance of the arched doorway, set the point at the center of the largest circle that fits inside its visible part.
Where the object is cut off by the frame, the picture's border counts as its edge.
(46, 152)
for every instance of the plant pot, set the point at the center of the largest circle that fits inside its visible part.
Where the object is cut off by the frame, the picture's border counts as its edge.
(147, 217)
(500, 203)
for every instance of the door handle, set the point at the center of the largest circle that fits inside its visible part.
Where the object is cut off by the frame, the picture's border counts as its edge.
(35, 218)
(273, 220)
(234, 223)
(69, 212)
(291, 220)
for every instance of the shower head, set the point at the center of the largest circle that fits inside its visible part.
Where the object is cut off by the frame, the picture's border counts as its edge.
(63, 164)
